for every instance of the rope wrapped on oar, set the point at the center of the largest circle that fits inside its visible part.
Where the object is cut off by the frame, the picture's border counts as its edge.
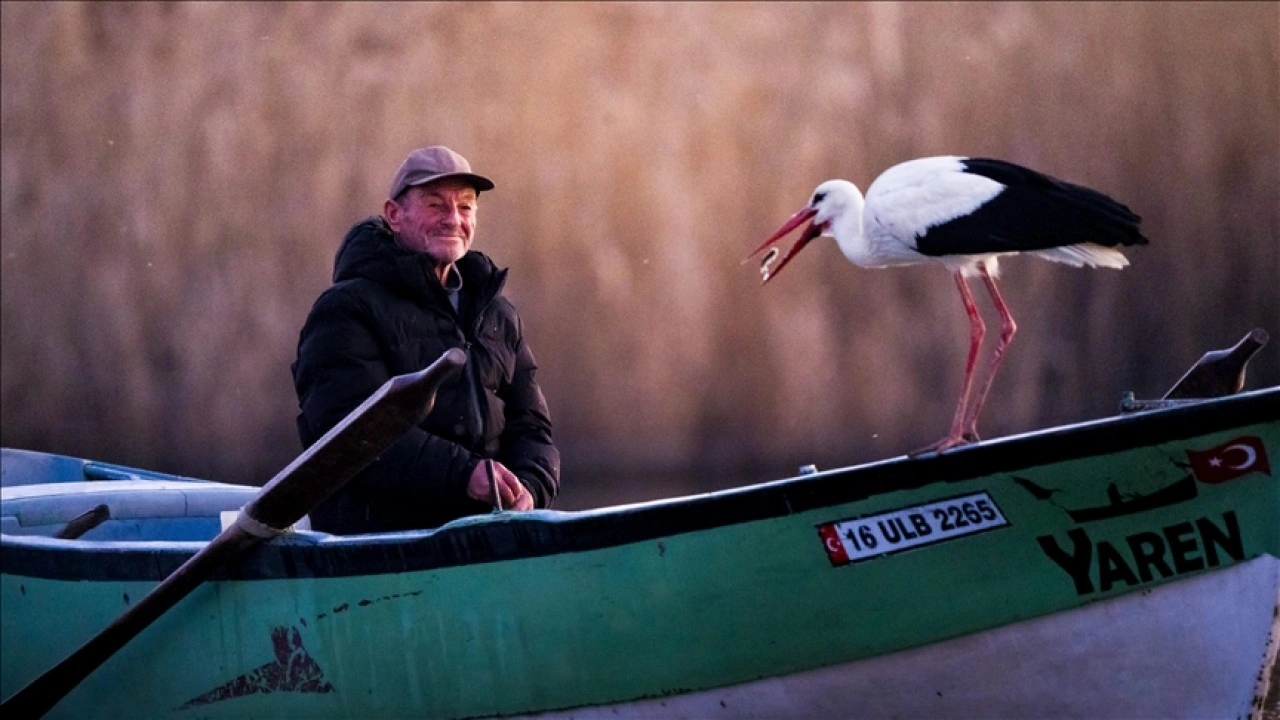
(354, 443)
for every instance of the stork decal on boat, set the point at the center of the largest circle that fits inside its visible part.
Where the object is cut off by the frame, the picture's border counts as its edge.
(293, 670)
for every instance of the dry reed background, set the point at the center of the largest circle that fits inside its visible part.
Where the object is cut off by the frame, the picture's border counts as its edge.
(176, 178)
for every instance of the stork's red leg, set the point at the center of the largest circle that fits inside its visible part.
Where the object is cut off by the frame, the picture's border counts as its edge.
(1007, 328)
(976, 332)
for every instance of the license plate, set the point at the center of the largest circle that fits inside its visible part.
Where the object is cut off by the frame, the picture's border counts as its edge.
(863, 538)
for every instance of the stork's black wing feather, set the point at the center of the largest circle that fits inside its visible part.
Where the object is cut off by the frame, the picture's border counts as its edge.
(1033, 212)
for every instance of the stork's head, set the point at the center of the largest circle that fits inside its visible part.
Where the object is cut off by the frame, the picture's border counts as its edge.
(828, 202)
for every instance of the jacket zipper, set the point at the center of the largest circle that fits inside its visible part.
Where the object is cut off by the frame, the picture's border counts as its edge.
(477, 390)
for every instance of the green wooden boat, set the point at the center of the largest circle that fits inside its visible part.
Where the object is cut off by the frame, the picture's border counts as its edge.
(1125, 567)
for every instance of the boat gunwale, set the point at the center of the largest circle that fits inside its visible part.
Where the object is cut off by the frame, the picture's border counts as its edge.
(503, 537)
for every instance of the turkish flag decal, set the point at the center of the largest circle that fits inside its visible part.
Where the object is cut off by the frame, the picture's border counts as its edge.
(1230, 460)
(831, 541)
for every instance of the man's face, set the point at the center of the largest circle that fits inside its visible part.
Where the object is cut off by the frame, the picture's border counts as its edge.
(438, 219)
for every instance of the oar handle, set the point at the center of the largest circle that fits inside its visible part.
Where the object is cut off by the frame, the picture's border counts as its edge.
(325, 467)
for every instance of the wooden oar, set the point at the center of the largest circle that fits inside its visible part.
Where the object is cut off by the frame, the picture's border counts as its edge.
(327, 465)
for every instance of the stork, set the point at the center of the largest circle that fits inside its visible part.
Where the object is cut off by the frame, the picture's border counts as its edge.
(964, 214)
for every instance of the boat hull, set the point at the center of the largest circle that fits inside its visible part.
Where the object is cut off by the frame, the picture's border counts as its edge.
(904, 578)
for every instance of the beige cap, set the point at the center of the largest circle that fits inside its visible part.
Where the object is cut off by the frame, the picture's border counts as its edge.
(433, 163)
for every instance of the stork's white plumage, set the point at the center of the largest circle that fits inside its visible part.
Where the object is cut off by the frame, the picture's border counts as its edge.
(964, 213)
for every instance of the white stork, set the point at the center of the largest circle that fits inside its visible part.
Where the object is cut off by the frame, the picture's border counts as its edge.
(964, 213)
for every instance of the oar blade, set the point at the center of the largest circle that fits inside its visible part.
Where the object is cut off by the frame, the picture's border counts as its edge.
(352, 444)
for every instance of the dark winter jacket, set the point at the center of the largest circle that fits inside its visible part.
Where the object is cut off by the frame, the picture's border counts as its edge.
(386, 314)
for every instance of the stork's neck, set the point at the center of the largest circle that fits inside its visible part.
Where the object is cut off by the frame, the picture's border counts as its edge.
(846, 228)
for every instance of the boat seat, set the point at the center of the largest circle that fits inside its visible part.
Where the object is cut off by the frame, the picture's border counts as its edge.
(140, 510)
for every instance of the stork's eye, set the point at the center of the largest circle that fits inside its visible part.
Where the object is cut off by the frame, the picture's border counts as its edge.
(817, 198)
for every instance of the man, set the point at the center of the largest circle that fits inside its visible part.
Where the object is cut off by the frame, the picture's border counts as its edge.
(406, 287)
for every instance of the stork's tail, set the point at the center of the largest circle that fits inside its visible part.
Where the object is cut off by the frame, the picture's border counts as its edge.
(1085, 254)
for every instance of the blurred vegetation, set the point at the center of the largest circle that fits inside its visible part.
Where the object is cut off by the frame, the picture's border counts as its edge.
(176, 178)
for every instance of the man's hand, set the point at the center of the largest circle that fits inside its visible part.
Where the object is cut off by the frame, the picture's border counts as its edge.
(515, 496)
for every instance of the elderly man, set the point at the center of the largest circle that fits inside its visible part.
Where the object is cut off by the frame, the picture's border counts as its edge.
(406, 287)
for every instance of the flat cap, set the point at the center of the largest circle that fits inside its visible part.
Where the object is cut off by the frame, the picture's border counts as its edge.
(434, 163)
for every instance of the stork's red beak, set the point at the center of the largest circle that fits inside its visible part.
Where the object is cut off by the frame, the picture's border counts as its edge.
(811, 232)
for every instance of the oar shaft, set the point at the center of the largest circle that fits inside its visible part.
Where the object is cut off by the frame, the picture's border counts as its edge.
(41, 694)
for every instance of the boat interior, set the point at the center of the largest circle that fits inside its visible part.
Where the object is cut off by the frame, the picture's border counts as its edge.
(128, 510)
(69, 500)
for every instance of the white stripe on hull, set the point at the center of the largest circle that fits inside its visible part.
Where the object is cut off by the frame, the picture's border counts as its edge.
(1203, 647)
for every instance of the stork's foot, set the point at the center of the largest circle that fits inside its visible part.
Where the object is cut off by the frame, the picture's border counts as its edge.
(944, 445)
